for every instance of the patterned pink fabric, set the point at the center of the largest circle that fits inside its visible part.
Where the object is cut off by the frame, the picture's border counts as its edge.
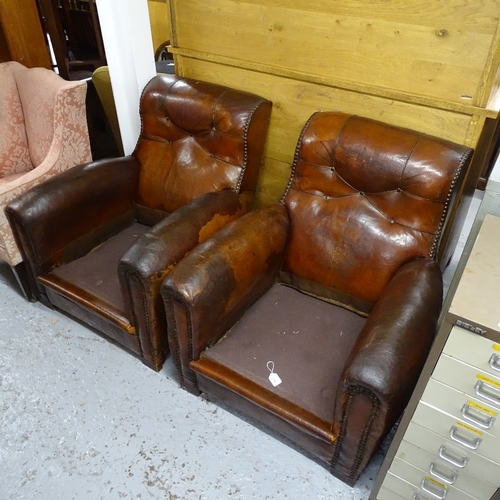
(14, 152)
(55, 134)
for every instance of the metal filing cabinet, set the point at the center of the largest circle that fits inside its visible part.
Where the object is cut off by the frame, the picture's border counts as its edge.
(448, 443)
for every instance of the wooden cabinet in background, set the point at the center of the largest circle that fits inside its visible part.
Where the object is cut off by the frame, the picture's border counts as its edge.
(21, 34)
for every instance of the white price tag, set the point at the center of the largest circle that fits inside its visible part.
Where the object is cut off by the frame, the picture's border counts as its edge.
(274, 378)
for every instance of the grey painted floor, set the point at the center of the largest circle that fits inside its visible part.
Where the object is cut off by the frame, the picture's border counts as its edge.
(82, 419)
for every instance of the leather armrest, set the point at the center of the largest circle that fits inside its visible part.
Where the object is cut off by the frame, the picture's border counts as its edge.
(144, 267)
(64, 217)
(385, 363)
(214, 284)
(391, 350)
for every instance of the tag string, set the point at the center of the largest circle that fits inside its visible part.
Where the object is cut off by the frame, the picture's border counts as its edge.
(270, 366)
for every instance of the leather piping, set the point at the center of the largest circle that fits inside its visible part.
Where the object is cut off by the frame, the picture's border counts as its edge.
(353, 391)
(434, 247)
(128, 274)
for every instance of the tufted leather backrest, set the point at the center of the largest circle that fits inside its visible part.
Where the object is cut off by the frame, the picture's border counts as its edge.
(197, 137)
(364, 198)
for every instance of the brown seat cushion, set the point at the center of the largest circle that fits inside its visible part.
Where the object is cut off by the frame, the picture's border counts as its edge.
(95, 275)
(292, 330)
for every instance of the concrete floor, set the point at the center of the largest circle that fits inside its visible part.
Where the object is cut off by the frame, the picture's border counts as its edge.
(82, 419)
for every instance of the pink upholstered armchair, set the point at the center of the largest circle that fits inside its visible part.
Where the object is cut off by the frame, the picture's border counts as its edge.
(43, 131)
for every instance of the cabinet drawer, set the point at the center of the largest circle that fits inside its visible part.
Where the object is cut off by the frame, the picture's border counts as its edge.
(424, 484)
(473, 349)
(471, 410)
(468, 379)
(385, 494)
(453, 453)
(458, 431)
(404, 488)
(444, 472)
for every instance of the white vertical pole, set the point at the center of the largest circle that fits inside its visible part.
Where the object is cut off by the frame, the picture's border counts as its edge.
(126, 34)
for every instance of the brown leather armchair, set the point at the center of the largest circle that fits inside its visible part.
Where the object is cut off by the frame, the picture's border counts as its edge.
(100, 239)
(336, 290)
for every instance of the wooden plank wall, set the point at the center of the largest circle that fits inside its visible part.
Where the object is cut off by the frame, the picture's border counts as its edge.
(432, 68)
(159, 18)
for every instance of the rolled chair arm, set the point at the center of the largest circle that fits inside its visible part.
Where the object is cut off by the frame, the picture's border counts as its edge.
(387, 359)
(390, 352)
(210, 289)
(144, 267)
(66, 216)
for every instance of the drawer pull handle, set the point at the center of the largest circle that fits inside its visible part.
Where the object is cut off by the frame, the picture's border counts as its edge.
(418, 496)
(450, 457)
(494, 362)
(447, 476)
(466, 439)
(487, 392)
(433, 489)
(477, 417)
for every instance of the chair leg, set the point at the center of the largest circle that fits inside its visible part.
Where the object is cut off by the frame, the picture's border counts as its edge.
(22, 278)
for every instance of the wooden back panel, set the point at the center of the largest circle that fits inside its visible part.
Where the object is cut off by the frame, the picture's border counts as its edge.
(432, 69)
